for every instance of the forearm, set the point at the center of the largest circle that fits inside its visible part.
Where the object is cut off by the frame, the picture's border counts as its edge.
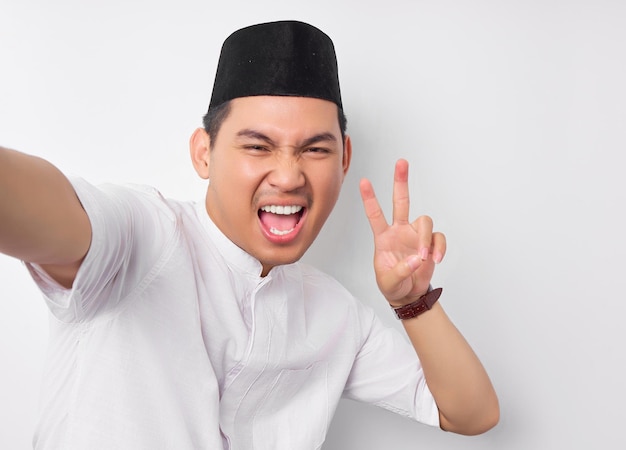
(41, 219)
(460, 385)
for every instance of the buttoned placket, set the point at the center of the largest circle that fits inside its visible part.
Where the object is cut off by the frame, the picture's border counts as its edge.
(240, 381)
(248, 313)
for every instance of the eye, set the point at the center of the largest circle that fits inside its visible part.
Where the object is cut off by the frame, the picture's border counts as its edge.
(318, 150)
(256, 148)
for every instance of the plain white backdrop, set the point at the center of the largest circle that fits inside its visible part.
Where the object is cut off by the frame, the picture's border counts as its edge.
(511, 113)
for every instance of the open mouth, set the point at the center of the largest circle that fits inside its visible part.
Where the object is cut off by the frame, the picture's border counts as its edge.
(280, 220)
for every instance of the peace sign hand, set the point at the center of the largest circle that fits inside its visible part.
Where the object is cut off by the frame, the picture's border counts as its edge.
(405, 253)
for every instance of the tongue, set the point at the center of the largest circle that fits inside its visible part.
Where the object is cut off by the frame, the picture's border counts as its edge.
(280, 222)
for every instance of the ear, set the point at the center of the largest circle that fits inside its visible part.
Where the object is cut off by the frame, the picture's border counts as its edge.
(200, 151)
(347, 155)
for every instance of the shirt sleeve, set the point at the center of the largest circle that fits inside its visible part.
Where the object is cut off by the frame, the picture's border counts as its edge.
(388, 373)
(131, 228)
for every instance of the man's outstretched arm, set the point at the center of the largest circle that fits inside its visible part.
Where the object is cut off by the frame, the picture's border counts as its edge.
(41, 218)
(404, 262)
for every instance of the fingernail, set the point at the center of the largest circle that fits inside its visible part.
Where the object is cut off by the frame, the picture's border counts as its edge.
(424, 254)
(437, 257)
(414, 262)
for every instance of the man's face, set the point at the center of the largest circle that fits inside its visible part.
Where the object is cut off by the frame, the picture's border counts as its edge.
(275, 172)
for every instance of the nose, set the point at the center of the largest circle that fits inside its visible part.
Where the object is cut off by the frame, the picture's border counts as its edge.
(286, 175)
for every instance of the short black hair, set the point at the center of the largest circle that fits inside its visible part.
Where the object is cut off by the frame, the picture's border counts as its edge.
(213, 120)
(216, 115)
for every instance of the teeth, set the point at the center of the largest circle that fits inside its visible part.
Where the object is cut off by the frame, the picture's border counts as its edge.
(280, 232)
(284, 210)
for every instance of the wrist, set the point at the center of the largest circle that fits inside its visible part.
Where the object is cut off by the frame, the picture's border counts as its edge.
(419, 306)
(399, 303)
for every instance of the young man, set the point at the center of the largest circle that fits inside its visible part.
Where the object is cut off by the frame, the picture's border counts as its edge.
(192, 326)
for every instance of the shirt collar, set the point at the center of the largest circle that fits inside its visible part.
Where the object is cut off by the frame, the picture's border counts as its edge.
(234, 255)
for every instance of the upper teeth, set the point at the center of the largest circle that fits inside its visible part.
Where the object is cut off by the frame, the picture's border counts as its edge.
(279, 209)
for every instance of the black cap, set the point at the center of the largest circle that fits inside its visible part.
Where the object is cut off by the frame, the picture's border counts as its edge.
(286, 58)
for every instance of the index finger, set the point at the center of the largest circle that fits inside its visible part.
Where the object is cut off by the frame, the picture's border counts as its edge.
(401, 192)
(373, 210)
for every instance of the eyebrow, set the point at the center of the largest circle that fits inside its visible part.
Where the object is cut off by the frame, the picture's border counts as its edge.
(322, 137)
(253, 134)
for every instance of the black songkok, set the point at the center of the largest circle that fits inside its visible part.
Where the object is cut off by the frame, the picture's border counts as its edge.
(286, 58)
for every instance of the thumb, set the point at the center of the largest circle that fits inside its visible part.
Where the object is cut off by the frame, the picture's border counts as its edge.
(394, 282)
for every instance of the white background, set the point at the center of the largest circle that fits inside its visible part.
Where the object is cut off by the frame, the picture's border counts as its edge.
(511, 113)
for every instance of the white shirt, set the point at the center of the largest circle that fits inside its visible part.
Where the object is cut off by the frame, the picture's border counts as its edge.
(170, 339)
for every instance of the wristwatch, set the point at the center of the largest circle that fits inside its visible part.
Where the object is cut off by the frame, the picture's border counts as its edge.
(419, 306)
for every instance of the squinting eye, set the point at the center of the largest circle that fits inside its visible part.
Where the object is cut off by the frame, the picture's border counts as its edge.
(256, 147)
(317, 150)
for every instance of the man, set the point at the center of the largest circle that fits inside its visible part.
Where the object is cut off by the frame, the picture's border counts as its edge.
(192, 326)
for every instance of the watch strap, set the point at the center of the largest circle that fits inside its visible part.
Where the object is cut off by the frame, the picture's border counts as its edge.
(419, 306)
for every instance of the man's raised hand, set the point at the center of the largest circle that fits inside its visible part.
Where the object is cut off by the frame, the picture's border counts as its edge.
(405, 253)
